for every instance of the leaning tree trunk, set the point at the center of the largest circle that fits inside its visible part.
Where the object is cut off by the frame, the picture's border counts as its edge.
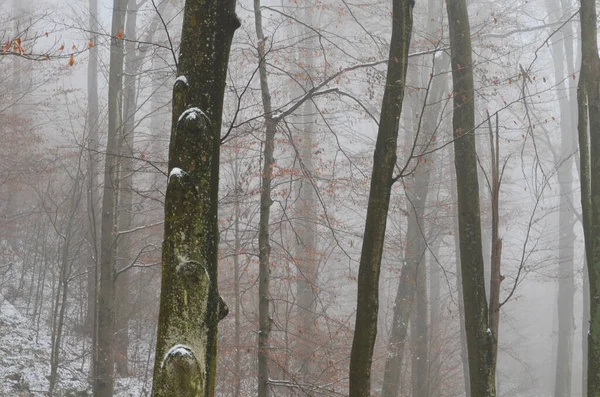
(384, 161)
(588, 101)
(479, 340)
(415, 251)
(103, 349)
(190, 305)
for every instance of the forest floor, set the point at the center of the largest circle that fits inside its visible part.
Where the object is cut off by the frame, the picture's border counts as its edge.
(25, 361)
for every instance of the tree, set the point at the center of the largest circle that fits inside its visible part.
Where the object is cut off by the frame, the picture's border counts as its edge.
(190, 305)
(412, 276)
(264, 247)
(480, 340)
(562, 55)
(103, 348)
(588, 127)
(384, 162)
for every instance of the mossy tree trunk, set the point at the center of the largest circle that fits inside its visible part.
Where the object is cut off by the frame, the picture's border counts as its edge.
(480, 341)
(384, 161)
(588, 101)
(190, 305)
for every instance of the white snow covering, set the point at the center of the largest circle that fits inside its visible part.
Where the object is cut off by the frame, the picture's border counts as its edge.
(183, 79)
(177, 351)
(191, 114)
(175, 172)
(25, 361)
(276, 115)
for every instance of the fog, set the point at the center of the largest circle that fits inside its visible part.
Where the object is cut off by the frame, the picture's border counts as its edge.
(99, 104)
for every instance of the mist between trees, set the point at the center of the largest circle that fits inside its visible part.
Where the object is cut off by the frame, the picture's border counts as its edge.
(299, 198)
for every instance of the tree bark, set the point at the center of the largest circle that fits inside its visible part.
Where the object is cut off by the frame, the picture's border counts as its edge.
(588, 101)
(104, 354)
(384, 161)
(190, 305)
(236, 284)
(264, 247)
(479, 339)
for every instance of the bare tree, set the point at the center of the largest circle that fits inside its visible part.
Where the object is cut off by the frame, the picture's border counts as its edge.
(104, 346)
(588, 102)
(384, 162)
(480, 339)
(190, 305)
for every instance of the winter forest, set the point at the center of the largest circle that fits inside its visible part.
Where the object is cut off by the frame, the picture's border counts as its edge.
(269, 198)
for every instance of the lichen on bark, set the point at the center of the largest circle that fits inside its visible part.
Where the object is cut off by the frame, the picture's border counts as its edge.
(190, 305)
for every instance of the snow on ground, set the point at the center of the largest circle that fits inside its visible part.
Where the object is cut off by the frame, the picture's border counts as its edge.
(25, 362)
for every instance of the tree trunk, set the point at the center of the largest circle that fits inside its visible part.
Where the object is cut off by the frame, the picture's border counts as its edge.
(126, 193)
(435, 319)
(264, 247)
(566, 236)
(588, 101)
(104, 353)
(92, 170)
(236, 284)
(413, 272)
(306, 225)
(384, 161)
(63, 286)
(459, 287)
(190, 305)
(479, 339)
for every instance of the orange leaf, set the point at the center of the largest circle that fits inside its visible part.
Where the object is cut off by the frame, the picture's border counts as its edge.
(46, 34)
(62, 47)
(72, 60)
(74, 47)
(90, 44)
(6, 47)
(120, 34)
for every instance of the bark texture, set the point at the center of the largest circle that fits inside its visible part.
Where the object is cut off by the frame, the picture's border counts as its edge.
(190, 305)
(588, 101)
(480, 341)
(384, 161)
